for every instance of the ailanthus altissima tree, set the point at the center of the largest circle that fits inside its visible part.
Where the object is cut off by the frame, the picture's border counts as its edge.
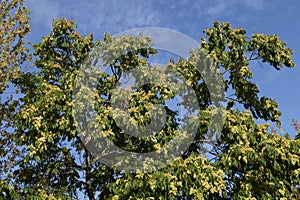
(14, 26)
(253, 161)
(247, 161)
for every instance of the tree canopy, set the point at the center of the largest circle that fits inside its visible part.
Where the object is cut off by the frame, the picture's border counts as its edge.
(44, 154)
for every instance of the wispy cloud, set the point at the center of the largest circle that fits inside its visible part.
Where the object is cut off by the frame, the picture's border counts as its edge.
(253, 4)
(42, 12)
(95, 16)
(222, 8)
(118, 15)
(216, 9)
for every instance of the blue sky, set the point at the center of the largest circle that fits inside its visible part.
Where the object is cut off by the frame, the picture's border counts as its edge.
(190, 17)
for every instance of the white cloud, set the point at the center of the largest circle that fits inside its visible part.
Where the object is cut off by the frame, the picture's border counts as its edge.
(216, 10)
(253, 4)
(114, 16)
(219, 8)
(42, 12)
(109, 16)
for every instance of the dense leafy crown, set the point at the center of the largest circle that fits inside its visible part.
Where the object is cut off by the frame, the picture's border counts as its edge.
(248, 160)
(14, 26)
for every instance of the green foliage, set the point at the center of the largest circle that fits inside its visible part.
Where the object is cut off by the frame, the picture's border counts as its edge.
(193, 177)
(14, 26)
(248, 161)
(233, 51)
(254, 163)
(253, 157)
(45, 124)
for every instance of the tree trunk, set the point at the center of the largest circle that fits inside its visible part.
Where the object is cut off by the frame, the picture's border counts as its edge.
(88, 182)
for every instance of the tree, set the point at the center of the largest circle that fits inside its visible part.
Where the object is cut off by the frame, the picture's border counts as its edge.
(254, 162)
(248, 161)
(48, 162)
(14, 26)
